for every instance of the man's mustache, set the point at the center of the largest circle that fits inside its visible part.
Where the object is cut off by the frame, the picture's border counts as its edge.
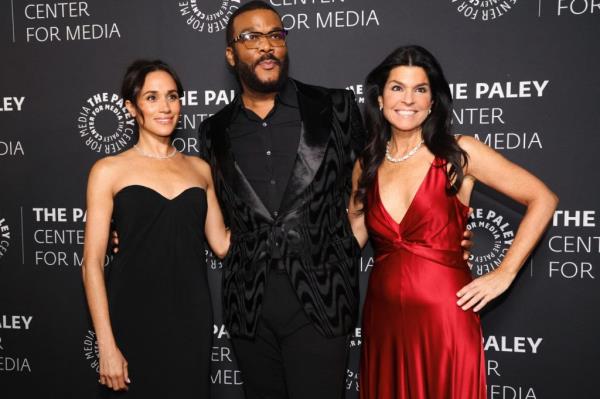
(267, 57)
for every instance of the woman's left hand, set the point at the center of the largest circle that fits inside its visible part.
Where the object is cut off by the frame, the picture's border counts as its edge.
(482, 290)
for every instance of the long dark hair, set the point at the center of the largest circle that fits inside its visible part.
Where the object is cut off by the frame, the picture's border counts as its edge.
(436, 128)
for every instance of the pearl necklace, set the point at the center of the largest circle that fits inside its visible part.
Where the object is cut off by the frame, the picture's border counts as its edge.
(155, 156)
(409, 154)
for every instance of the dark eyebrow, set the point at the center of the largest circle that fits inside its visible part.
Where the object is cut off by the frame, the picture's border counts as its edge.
(417, 85)
(155, 92)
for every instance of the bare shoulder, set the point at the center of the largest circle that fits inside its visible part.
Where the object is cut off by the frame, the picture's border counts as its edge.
(108, 169)
(198, 164)
(105, 166)
(468, 143)
(472, 146)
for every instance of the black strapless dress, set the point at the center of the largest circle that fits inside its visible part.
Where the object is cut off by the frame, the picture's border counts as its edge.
(158, 293)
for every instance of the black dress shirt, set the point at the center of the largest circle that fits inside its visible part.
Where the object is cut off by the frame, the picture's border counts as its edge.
(265, 149)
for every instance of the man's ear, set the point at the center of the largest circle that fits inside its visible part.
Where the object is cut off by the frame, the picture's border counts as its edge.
(229, 56)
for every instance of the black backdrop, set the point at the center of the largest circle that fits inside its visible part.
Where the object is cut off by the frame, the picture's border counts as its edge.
(524, 77)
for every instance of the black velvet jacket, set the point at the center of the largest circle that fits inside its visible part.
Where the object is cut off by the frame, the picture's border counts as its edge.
(311, 235)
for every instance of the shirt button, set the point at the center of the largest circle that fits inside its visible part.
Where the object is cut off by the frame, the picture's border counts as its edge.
(269, 152)
(275, 213)
(264, 124)
(272, 182)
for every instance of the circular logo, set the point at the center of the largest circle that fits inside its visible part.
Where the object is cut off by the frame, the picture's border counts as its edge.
(356, 338)
(214, 20)
(493, 235)
(212, 261)
(483, 10)
(351, 380)
(90, 350)
(104, 124)
(4, 237)
(354, 343)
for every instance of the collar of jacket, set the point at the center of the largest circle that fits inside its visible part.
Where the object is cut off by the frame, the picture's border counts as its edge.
(316, 128)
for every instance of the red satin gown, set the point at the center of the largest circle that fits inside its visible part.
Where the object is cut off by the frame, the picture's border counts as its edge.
(417, 343)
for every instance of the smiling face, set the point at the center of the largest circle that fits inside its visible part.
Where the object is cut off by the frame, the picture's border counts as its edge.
(157, 107)
(263, 69)
(406, 99)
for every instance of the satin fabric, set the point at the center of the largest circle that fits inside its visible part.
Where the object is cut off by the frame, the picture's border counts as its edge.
(417, 342)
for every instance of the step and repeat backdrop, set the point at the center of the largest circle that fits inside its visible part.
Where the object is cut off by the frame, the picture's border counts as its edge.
(524, 76)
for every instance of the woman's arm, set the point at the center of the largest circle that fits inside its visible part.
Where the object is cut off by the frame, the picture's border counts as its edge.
(495, 171)
(217, 234)
(355, 215)
(113, 366)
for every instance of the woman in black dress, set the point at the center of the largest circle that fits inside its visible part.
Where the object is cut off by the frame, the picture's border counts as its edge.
(153, 316)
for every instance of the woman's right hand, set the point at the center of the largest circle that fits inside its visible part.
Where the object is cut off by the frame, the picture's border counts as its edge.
(113, 369)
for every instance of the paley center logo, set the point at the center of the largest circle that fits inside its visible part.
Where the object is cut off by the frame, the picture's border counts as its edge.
(483, 10)
(354, 343)
(104, 124)
(9, 362)
(493, 237)
(4, 237)
(207, 18)
(90, 350)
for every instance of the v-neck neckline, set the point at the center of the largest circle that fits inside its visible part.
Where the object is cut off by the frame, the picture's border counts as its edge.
(410, 205)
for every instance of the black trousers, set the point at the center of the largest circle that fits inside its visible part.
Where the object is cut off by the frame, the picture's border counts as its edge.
(289, 358)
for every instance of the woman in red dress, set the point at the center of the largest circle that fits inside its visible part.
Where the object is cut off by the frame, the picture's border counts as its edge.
(411, 189)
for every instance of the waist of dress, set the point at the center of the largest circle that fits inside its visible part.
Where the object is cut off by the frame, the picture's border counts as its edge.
(450, 257)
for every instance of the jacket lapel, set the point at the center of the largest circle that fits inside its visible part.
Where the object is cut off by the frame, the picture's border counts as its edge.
(228, 168)
(315, 113)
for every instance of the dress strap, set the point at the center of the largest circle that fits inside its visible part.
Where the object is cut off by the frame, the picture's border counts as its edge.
(439, 162)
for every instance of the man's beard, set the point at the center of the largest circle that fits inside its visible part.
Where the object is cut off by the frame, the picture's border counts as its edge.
(246, 74)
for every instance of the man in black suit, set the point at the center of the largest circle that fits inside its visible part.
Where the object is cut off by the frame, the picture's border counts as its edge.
(282, 154)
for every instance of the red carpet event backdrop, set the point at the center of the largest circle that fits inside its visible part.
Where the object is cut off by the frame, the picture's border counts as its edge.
(524, 76)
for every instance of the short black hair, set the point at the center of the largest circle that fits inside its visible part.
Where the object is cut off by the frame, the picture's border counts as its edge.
(250, 6)
(134, 78)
